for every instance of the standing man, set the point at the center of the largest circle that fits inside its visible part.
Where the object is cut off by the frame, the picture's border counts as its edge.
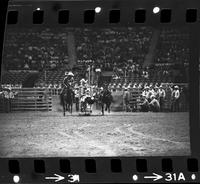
(83, 86)
(126, 99)
(156, 93)
(77, 94)
(83, 90)
(168, 97)
(145, 92)
(151, 92)
(7, 100)
(162, 96)
(175, 99)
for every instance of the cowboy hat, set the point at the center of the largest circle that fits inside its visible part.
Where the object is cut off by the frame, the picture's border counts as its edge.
(70, 74)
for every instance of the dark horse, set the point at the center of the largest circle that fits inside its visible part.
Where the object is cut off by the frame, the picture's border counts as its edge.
(67, 98)
(105, 97)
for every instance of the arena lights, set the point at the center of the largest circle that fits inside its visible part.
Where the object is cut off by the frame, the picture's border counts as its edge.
(16, 179)
(156, 10)
(38, 9)
(98, 9)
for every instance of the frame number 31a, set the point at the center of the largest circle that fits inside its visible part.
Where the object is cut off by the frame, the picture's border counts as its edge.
(174, 177)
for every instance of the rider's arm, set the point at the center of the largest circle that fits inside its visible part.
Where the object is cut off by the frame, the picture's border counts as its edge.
(61, 90)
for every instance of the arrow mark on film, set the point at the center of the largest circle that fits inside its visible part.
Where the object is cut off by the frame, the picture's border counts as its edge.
(56, 178)
(155, 177)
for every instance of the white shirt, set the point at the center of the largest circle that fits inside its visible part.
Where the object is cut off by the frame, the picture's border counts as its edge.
(162, 93)
(176, 94)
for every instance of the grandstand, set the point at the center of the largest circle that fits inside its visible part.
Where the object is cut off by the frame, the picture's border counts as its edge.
(22, 78)
(135, 54)
(113, 46)
(172, 46)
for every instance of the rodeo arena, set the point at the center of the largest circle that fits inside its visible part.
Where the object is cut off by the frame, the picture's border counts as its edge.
(95, 92)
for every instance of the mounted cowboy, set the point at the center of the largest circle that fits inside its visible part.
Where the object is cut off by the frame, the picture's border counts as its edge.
(67, 94)
(68, 80)
(105, 98)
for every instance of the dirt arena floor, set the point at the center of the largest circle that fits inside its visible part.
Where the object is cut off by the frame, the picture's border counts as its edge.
(49, 134)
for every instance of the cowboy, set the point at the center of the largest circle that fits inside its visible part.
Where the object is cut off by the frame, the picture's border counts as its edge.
(68, 79)
(83, 98)
(175, 99)
(154, 104)
(77, 95)
(118, 88)
(126, 99)
(162, 95)
(145, 93)
(156, 92)
(7, 99)
(87, 94)
(144, 105)
(151, 91)
(101, 90)
(83, 87)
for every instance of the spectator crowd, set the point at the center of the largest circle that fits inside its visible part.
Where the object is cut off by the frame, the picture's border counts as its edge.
(119, 50)
(166, 97)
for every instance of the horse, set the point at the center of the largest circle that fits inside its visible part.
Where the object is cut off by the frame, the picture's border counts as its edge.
(67, 98)
(105, 97)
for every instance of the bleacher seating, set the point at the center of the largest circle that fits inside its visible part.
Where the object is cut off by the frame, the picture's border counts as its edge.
(172, 55)
(35, 48)
(15, 77)
(121, 50)
(173, 46)
(52, 77)
(113, 47)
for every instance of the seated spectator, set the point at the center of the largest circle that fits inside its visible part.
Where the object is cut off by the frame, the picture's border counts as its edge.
(154, 105)
(145, 92)
(157, 93)
(144, 105)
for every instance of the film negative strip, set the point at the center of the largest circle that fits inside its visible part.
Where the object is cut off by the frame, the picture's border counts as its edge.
(100, 91)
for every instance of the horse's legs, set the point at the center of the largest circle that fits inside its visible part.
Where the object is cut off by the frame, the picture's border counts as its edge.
(69, 108)
(102, 108)
(108, 105)
(71, 105)
(84, 107)
(66, 107)
(63, 108)
(107, 108)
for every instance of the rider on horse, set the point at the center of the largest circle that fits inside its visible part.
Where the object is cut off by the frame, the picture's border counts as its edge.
(68, 80)
(67, 93)
(105, 97)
